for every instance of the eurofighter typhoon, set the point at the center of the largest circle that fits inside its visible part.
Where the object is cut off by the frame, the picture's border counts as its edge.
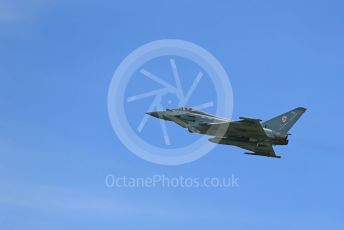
(247, 133)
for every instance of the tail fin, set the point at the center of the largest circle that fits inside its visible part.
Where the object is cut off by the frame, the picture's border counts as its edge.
(284, 122)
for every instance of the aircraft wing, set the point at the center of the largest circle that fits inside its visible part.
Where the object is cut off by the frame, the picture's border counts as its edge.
(260, 149)
(251, 128)
(247, 127)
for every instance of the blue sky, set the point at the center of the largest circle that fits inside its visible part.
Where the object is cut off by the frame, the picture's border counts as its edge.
(57, 144)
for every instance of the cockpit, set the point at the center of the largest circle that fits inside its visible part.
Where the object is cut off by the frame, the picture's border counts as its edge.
(181, 109)
(184, 109)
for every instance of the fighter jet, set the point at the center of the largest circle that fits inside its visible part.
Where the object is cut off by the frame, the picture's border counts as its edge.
(248, 133)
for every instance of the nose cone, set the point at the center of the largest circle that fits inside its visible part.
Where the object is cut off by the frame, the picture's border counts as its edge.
(155, 114)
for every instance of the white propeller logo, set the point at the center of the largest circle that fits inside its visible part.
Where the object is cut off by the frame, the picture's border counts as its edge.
(133, 64)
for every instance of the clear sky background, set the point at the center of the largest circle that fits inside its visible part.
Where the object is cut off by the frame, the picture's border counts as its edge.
(57, 145)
